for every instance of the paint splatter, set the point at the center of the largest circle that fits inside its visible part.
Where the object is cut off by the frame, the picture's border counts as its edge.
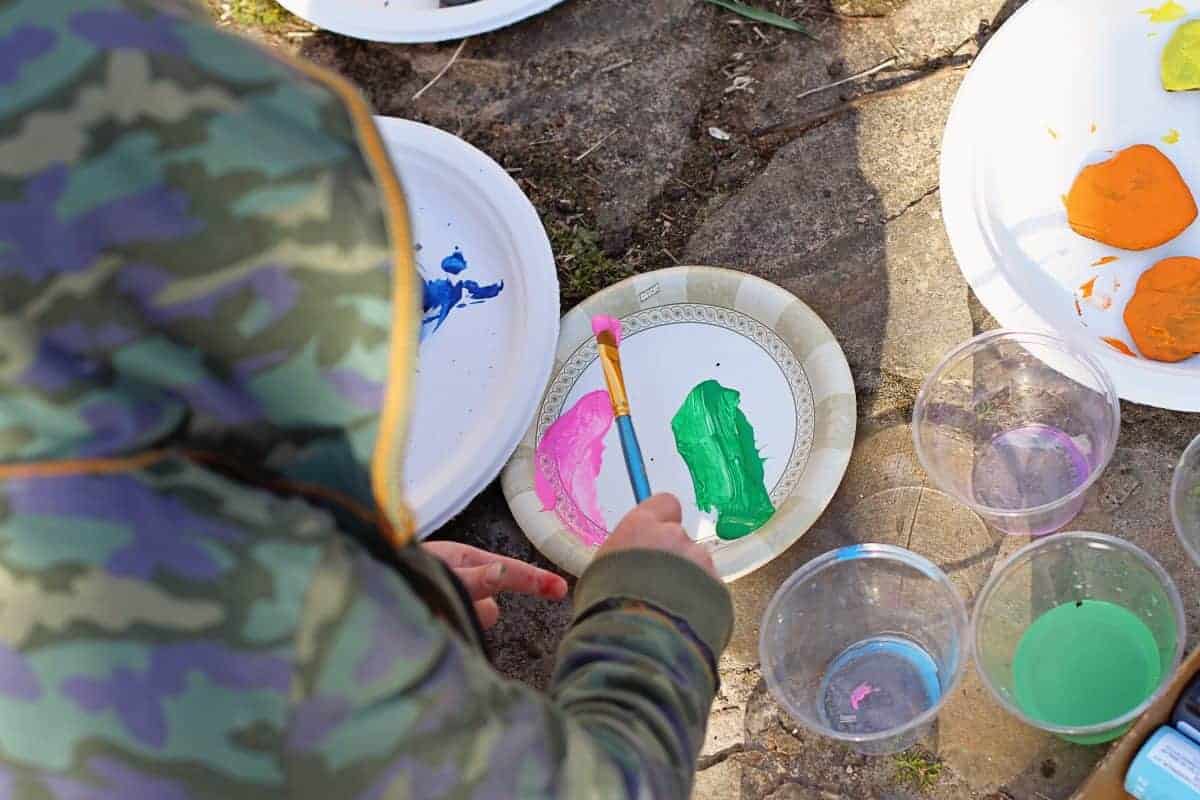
(1063, 198)
(1172, 137)
(569, 458)
(443, 295)
(1087, 288)
(1100, 262)
(860, 693)
(1167, 12)
(716, 441)
(1093, 128)
(1078, 308)
(1118, 345)
(454, 263)
(1053, 133)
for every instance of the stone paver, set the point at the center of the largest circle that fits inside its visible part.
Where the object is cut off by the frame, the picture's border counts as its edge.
(838, 205)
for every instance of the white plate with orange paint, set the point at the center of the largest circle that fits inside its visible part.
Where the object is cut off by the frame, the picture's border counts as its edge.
(743, 404)
(413, 20)
(489, 323)
(1021, 129)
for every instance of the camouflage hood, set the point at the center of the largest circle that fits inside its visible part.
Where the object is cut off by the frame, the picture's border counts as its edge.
(198, 243)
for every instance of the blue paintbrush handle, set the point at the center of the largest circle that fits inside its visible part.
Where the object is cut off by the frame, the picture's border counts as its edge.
(633, 458)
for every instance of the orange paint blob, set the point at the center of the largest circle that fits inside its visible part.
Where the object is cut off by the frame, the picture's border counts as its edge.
(1102, 261)
(1135, 200)
(1163, 316)
(1087, 288)
(1118, 345)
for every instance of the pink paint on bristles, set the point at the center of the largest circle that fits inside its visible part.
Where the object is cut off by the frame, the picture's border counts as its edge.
(603, 322)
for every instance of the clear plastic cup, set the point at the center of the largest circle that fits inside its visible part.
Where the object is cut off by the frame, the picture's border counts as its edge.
(1185, 499)
(1017, 426)
(1077, 634)
(863, 645)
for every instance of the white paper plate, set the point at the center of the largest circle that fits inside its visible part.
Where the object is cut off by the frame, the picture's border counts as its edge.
(479, 375)
(683, 326)
(1061, 85)
(413, 20)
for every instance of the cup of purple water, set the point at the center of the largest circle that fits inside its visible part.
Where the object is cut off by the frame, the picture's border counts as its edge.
(864, 644)
(1017, 426)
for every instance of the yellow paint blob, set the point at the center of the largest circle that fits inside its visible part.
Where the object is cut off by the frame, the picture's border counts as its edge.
(1172, 137)
(1167, 12)
(1053, 133)
(1180, 65)
(1093, 127)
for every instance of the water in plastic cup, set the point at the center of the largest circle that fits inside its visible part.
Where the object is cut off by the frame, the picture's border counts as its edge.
(1077, 633)
(1017, 426)
(1185, 499)
(863, 644)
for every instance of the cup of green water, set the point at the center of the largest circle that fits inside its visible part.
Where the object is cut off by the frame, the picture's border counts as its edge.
(863, 645)
(1077, 634)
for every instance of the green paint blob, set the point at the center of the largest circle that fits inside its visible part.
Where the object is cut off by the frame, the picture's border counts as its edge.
(1181, 59)
(717, 444)
(1085, 663)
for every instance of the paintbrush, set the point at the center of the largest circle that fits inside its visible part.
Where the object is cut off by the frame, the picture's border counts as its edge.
(608, 337)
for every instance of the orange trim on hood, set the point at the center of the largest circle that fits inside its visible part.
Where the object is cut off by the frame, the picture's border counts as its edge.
(386, 483)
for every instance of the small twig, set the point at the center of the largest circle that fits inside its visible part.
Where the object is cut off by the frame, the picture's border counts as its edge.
(593, 180)
(671, 256)
(441, 71)
(513, 170)
(623, 63)
(760, 34)
(544, 141)
(594, 147)
(877, 68)
(793, 129)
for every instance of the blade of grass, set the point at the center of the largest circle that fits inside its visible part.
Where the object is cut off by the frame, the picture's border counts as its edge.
(765, 17)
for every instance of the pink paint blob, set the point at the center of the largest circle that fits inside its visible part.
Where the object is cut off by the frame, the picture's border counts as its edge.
(568, 461)
(602, 322)
(860, 693)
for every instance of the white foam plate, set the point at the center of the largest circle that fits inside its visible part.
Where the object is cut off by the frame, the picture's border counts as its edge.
(683, 326)
(1065, 83)
(413, 20)
(479, 375)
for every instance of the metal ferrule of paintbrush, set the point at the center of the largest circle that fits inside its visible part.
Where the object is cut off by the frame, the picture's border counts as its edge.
(610, 362)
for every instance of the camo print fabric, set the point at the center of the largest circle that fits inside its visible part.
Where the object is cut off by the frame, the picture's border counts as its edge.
(193, 254)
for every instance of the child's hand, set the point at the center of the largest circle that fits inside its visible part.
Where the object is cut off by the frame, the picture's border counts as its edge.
(486, 575)
(654, 525)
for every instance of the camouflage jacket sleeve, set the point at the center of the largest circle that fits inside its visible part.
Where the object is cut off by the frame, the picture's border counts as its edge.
(391, 704)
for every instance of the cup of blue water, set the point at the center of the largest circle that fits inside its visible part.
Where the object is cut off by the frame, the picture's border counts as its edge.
(1185, 499)
(1017, 426)
(1077, 634)
(863, 645)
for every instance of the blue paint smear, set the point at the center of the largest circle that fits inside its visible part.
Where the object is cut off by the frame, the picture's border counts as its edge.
(443, 295)
(454, 263)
